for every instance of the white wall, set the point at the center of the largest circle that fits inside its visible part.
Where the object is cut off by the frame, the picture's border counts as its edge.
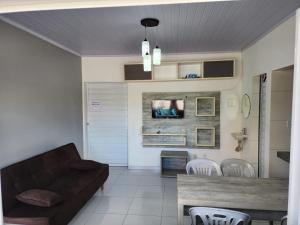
(252, 124)
(111, 69)
(275, 50)
(40, 95)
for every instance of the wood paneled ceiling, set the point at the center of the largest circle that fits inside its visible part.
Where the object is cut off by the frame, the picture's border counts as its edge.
(184, 28)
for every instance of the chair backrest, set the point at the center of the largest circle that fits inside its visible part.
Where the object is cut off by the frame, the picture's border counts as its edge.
(237, 168)
(215, 216)
(203, 167)
(283, 220)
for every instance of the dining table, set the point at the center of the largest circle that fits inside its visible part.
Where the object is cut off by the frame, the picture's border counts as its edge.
(261, 198)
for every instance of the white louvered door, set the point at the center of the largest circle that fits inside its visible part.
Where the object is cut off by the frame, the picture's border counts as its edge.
(107, 123)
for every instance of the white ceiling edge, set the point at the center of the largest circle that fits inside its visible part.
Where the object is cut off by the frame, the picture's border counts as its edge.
(10, 6)
(21, 27)
(166, 54)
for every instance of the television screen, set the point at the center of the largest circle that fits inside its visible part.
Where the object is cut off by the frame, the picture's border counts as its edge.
(173, 108)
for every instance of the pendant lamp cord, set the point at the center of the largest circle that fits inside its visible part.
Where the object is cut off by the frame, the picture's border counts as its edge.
(156, 37)
(145, 32)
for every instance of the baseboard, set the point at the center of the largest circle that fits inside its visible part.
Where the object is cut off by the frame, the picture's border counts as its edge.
(154, 168)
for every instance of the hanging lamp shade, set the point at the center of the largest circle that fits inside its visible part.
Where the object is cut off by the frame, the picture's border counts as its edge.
(145, 47)
(147, 62)
(156, 56)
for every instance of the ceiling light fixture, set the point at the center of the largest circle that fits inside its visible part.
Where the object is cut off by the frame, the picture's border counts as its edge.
(150, 22)
(145, 47)
(147, 62)
(156, 56)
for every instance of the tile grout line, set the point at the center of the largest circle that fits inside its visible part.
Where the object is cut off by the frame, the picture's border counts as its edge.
(128, 211)
(161, 186)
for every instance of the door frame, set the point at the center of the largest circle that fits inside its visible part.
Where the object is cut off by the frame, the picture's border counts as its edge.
(294, 182)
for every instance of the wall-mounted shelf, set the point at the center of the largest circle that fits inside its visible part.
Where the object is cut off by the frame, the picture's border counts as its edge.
(241, 137)
(183, 71)
(205, 136)
(165, 71)
(164, 139)
(205, 106)
(189, 68)
(159, 134)
(190, 80)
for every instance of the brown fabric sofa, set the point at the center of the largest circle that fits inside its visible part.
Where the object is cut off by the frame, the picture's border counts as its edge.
(49, 171)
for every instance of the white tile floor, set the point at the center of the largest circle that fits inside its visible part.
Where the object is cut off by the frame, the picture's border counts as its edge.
(133, 197)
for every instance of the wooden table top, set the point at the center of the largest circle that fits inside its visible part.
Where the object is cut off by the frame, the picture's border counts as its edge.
(233, 192)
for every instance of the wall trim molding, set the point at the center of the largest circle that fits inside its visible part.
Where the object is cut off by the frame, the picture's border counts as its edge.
(165, 55)
(9, 6)
(17, 25)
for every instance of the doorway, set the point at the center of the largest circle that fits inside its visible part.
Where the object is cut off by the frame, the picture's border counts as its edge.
(274, 121)
(106, 116)
(280, 121)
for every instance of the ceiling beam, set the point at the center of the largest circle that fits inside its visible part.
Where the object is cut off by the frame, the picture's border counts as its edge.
(10, 6)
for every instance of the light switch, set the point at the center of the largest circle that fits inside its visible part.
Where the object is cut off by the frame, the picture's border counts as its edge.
(231, 102)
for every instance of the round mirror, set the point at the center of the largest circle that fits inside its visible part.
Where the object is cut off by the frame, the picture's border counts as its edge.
(246, 105)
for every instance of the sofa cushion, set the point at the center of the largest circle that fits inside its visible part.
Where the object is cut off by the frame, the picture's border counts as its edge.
(39, 197)
(85, 165)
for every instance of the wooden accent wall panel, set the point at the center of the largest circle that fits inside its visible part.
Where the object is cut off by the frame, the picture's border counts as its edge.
(186, 126)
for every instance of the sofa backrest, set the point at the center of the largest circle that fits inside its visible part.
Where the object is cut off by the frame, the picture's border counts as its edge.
(36, 172)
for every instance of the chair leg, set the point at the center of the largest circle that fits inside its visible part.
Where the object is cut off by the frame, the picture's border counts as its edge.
(271, 222)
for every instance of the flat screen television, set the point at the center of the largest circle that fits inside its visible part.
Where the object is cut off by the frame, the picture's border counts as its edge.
(168, 108)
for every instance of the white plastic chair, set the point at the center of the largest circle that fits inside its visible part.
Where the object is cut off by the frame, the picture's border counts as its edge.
(203, 167)
(215, 216)
(237, 168)
(284, 220)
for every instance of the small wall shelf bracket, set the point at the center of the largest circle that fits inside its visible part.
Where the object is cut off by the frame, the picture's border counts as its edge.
(241, 137)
